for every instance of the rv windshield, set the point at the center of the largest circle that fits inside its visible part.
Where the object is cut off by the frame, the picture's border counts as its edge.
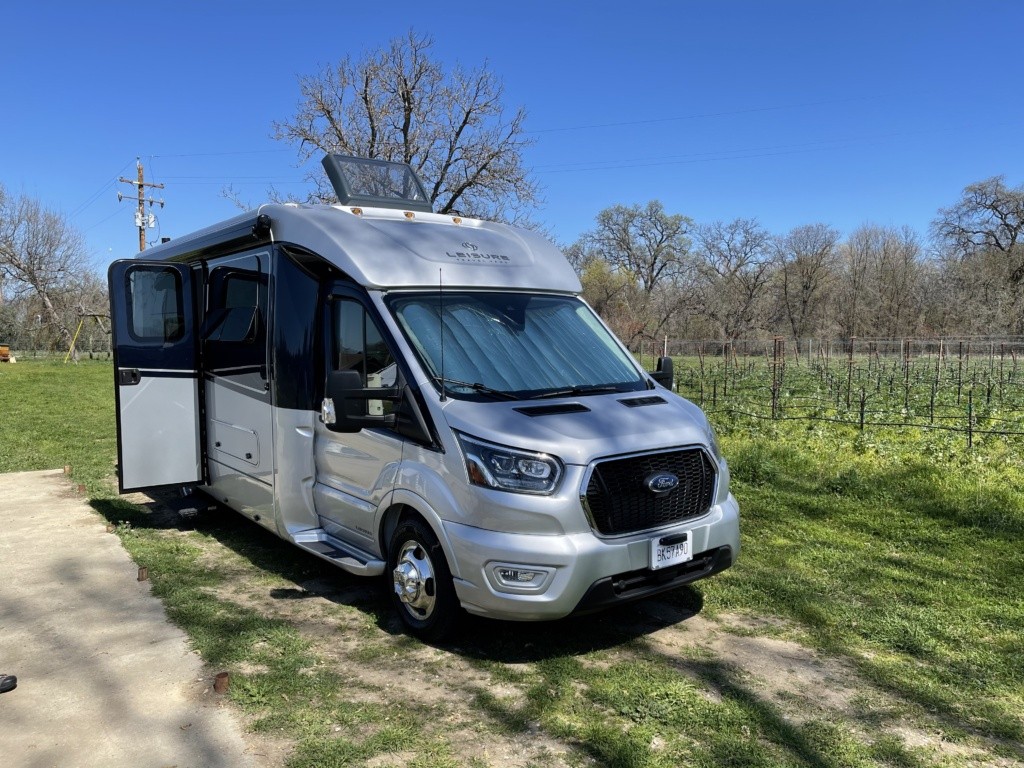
(505, 345)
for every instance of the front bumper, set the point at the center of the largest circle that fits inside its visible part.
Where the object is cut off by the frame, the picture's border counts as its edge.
(581, 572)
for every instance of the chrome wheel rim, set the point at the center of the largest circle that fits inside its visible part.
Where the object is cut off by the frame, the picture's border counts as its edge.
(414, 580)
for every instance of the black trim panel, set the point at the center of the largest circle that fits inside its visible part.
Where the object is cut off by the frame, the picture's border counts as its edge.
(636, 585)
(150, 373)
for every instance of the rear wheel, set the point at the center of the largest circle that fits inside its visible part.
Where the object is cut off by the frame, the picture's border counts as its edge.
(422, 588)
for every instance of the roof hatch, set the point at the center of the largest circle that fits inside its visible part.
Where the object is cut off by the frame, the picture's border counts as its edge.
(376, 183)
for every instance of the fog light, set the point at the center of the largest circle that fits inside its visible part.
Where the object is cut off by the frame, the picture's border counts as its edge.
(518, 578)
(515, 576)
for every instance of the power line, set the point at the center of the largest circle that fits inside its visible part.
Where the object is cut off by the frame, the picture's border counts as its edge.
(231, 178)
(98, 193)
(224, 154)
(744, 153)
(698, 116)
(104, 220)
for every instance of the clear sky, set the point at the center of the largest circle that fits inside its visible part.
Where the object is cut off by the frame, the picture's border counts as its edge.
(788, 112)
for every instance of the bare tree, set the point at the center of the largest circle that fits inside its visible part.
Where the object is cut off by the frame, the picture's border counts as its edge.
(43, 258)
(806, 259)
(980, 241)
(988, 217)
(897, 273)
(881, 287)
(645, 261)
(645, 242)
(853, 305)
(399, 103)
(736, 266)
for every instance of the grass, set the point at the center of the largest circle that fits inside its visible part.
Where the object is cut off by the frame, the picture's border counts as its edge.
(53, 415)
(893, 556)
(906, 565)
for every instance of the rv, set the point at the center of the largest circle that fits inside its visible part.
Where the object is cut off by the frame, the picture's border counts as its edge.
(415, 395)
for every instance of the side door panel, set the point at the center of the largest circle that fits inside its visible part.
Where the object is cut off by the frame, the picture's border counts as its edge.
(355, 470)
(156, 374)
(239, 407)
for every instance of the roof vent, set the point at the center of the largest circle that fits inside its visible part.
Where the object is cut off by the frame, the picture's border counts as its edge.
(639, 402)
(376, 183)
(552, 410)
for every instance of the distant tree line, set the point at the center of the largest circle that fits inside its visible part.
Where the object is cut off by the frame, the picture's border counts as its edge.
(653, 274)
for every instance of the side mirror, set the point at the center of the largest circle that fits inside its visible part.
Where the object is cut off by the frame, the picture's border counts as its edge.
(344, 408)
(663, 374)
(346, 404)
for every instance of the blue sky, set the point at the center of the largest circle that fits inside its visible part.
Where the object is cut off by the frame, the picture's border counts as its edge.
(788, 112)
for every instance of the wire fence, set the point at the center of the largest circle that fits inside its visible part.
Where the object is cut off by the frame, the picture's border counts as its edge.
(972, 386)
(92, 341)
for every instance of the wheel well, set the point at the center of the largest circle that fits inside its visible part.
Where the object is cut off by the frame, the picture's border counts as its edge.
(392, 518)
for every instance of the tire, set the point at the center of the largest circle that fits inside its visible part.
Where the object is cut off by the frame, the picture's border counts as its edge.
(421, 590)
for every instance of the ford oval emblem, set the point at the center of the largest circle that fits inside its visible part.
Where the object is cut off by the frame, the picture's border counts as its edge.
(661, 482)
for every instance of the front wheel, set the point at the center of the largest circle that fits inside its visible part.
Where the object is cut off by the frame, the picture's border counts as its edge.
(422, 588)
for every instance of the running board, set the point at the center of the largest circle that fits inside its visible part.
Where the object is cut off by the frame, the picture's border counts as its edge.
(345, 556)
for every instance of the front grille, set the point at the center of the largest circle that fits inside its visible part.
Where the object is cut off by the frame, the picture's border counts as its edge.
(620, 502)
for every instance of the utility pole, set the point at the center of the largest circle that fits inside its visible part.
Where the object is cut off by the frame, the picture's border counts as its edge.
(141, 220)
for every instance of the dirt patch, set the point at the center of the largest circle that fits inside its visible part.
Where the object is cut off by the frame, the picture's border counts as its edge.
(782, 670)
(386, 668)
(804, 685)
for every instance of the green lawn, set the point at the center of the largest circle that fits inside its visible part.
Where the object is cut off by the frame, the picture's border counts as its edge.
(894, 557)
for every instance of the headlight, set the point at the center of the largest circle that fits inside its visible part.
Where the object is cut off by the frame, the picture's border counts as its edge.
(509, 469)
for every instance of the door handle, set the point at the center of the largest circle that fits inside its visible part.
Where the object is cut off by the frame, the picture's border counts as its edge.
(128, 377)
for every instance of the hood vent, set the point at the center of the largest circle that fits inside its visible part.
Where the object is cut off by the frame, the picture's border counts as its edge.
(637, 402)
(553, 410)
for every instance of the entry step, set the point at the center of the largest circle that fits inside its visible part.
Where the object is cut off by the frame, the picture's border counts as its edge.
(345, 556)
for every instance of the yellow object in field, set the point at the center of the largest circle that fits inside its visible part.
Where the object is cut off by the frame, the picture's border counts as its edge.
(5, 353)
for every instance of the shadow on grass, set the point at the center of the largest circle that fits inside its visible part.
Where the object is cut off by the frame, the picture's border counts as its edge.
(734, 725)
(477, 638)
(523, 642)
(916, 526)
(549, 644)
(265, 550)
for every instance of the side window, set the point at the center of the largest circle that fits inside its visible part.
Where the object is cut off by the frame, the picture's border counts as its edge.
(155, 311)
(234, 331)
(236, 314)
(358, 345)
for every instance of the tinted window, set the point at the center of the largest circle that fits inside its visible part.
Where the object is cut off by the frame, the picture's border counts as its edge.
(155, 304)
(358, 345)
(235, 328)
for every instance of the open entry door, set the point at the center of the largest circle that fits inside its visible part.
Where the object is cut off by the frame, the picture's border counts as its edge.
(156, 375)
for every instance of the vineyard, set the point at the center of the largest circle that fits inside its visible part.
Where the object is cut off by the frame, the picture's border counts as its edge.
(970, 386)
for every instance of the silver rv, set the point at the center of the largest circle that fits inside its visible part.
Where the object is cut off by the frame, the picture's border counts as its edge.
(418, 395)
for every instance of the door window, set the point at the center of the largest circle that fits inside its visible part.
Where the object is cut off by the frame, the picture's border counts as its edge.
(154, 304)
(358, 345)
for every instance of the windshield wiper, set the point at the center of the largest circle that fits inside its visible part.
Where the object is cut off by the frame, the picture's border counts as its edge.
(483, 389)
(571, 391)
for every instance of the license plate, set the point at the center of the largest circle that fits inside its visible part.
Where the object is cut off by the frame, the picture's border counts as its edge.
(671, 550)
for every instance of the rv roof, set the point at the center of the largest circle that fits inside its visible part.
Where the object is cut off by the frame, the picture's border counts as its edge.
(388, 248)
